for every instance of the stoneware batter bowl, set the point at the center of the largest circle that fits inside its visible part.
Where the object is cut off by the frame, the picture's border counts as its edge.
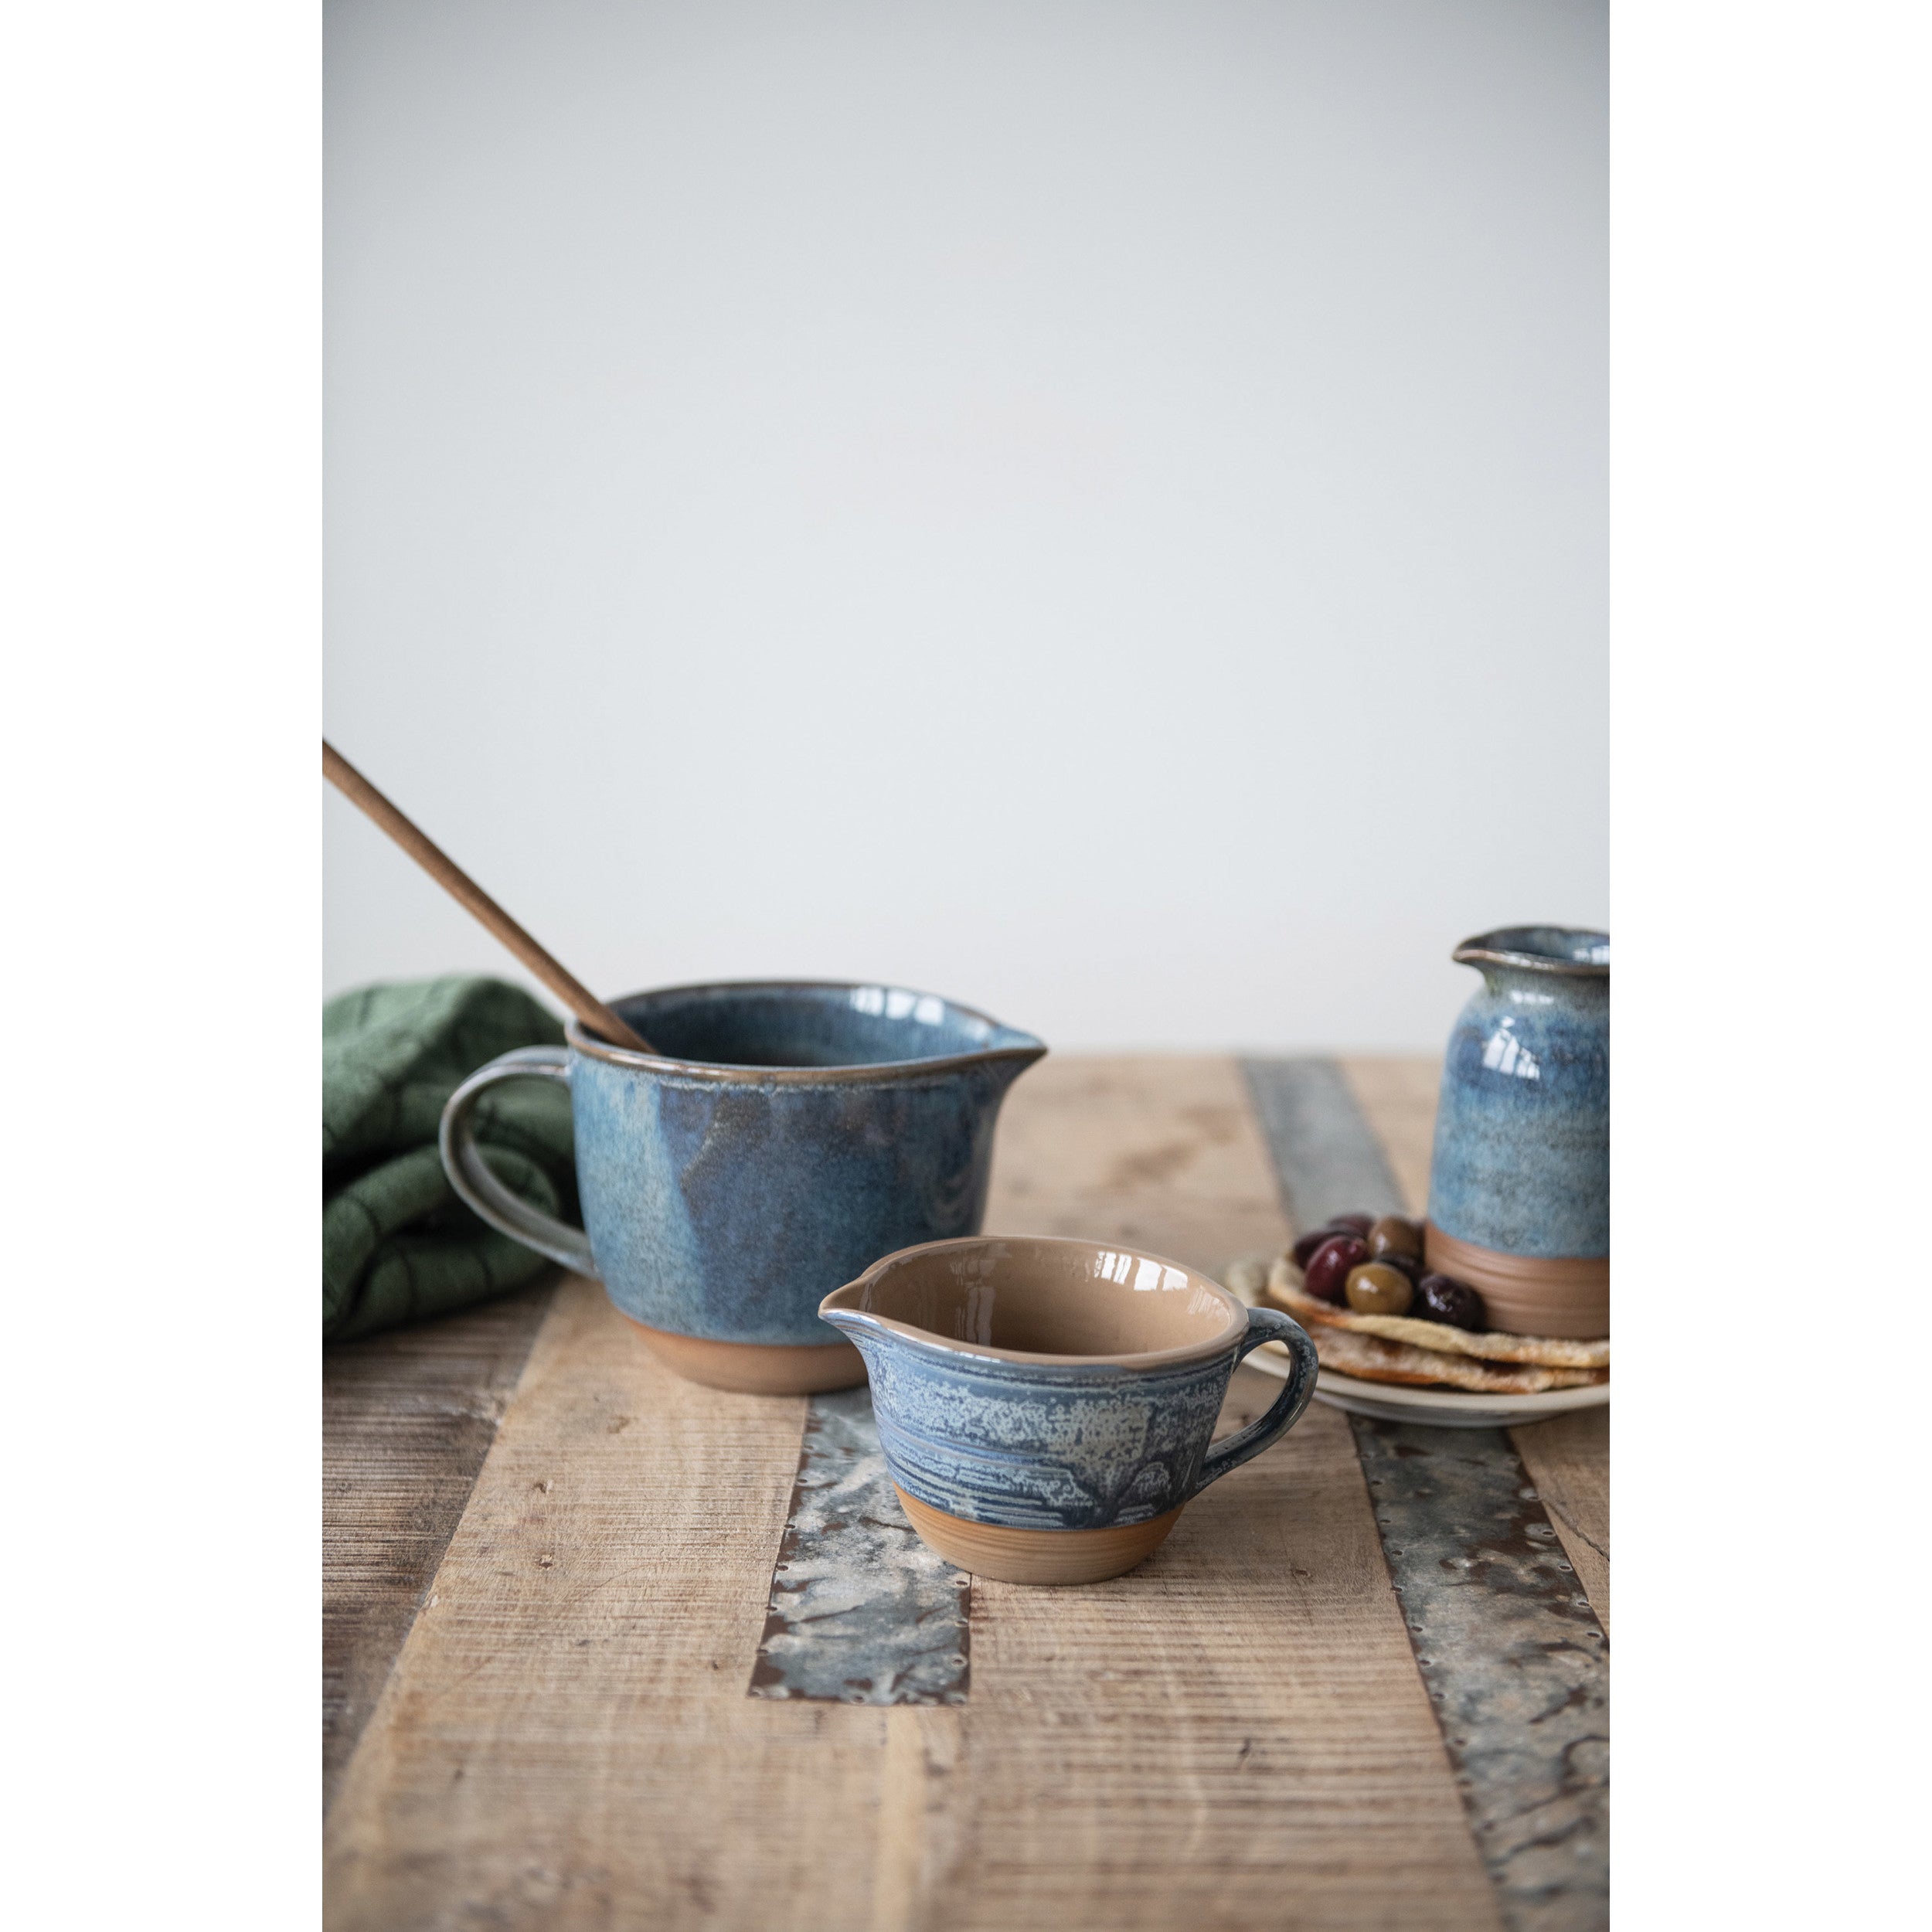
(1047, 1406)
(783, 1135)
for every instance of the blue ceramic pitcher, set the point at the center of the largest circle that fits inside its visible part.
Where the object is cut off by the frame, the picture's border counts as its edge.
(781, 1138)
(1519, 1184)
(1047, 1406)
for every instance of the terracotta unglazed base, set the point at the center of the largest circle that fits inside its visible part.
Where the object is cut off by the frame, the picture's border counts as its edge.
(758, 1367)
(1525, 1293)
(1036, 1556)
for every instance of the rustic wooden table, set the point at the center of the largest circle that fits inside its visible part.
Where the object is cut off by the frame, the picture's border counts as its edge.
(1361, 1685)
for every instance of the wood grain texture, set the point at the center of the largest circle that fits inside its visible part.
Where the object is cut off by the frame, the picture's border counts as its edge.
(407, 1419)
(1568, 1459)
(566, 1740)
(1233, 1736)
(1158, 1152)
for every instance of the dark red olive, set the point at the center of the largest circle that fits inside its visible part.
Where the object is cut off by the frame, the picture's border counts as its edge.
(1440, 1299)
(1360, 1222)
(1404, 1264)
(1327, 1276)
(1308, 1242)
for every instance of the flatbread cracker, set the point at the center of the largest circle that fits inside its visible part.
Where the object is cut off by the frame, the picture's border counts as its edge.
(1285, 1290)
(1371, 1359)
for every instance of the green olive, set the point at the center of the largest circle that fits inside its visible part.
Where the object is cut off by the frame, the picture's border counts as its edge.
(1396, 1234)
(1376, 1288)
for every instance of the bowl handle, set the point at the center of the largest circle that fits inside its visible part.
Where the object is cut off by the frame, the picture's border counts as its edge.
(471, 1177)
(1266, 1324)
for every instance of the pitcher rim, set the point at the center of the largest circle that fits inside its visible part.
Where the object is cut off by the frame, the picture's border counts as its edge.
(954, 1351)
(1491, 949)
(581, 1041)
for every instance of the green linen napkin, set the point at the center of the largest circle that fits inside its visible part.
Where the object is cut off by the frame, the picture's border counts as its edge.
(397, 1245)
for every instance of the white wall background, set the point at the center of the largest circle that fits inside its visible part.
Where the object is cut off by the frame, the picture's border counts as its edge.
(1098, 510)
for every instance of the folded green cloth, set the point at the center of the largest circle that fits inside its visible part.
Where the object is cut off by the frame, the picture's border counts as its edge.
(397, 1245)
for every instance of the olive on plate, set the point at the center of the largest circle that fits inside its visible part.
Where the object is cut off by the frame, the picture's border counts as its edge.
(1396, 1234)
(1306, 1244)
(1440, 1298)
(1375, 1288)
(1326, 1276)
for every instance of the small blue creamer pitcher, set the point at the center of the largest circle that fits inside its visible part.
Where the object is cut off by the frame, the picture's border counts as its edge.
(1047, 1406)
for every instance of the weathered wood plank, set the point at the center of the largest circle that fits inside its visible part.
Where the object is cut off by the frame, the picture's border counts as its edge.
(566, 1740)
(916, 1857)
(1158, 1151)
(1568, 1459)
(407, 1418)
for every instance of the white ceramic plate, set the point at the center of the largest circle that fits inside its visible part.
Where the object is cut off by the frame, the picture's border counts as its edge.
(1440, 1408)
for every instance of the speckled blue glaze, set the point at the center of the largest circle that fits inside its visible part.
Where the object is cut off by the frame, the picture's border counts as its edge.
(1031, 1448)
(1059, 1445)
(783, 1137)
(1521, 1161)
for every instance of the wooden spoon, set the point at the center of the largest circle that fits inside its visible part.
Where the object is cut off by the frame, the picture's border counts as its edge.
(468, 893)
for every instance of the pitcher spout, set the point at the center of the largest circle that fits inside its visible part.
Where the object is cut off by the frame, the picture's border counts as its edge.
(843, 1309)
(1003, 1065)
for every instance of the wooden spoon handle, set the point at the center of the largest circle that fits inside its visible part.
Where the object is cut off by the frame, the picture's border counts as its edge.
(464, 890)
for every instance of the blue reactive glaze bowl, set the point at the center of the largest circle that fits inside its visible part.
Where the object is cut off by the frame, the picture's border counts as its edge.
(781, 1137)
(1520, 1182)
(1045, 1407)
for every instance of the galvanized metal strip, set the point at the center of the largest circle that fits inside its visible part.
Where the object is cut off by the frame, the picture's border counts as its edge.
(861, 1611)
(1327, 1158)
(1513, 1658)
(1515, 1661)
